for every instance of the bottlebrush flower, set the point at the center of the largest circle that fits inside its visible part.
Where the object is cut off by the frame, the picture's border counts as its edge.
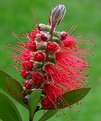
(52, 61)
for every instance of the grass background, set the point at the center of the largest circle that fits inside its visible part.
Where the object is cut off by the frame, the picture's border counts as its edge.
(16, 16)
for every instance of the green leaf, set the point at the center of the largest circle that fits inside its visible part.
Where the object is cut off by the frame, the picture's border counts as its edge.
(12, 87)
(48, 115)
(73, 97)
(33, 101)
(8, 110)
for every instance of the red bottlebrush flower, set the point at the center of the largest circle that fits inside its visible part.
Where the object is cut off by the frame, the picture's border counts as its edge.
(31, 46)
(27, 84)
(69, 42)
(27, 65)
(52, 47)
(27, 55)
(33, 34)
(37, 78)
(46, 103)
(39, 56)
(59, 63)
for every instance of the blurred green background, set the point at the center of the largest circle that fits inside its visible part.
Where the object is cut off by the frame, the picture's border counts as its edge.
(16, 16)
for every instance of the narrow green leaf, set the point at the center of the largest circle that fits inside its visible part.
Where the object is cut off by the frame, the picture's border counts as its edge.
(12, 87)
(8, 110)
(33, 101)
(71, 97)
(48, 115)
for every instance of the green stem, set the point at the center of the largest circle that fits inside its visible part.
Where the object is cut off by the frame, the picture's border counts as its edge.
(30, 119)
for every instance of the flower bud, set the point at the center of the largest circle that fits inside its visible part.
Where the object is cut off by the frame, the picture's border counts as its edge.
(55, 39)
(69, 42)
(38, 65)
(31, 46)
(24, 74)
(26, 99)
(37, 78)
(27, 65)
(27, 84)
(39, 57)
(51, 58)
(33, 34)
(63, 35)
(52, 47)
(57, 15)
(41, 45)
(46, 103)
(45, 36)
(44, 27)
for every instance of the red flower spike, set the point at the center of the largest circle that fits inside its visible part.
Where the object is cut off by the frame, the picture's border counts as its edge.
(39, 56)
(52, 47)
(37, 78)
(27, 84)
(57, 55)
(46, 103)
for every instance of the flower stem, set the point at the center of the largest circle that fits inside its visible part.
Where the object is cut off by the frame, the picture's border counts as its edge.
(30, 119)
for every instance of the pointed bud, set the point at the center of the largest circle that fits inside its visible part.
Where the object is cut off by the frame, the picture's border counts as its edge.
(57, 15)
